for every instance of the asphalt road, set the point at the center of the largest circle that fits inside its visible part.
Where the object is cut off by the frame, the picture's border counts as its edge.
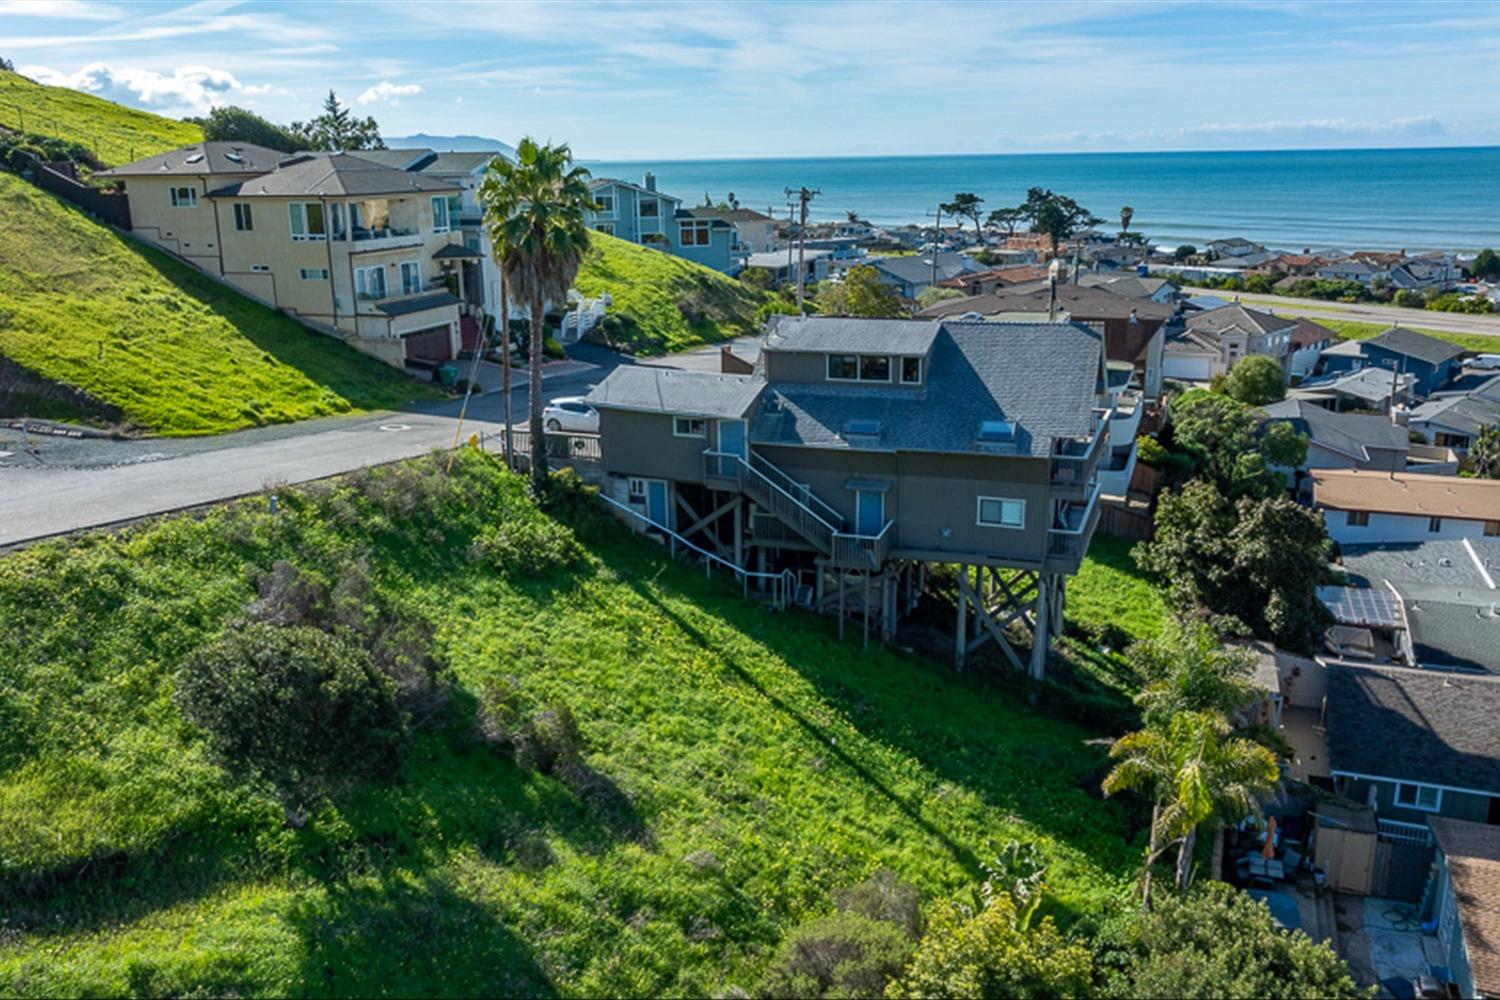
(1364, 312)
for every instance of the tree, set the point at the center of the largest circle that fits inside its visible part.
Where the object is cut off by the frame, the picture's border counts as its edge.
(1126, 214)
(966, 204)
(1484, 453)
(7, 65)
(1184, 252)
(1056, 216)
(337, 129)
(861, 293)
(932, 295)
(1256, 381)
(294, 708)
(1486, 265)
(231, 124)
(1218, 942)
(990, 955)
(756, 277)
(534, 210)
(1187, 669)
(1223, 438)
(1007, 217)
(1194, 771)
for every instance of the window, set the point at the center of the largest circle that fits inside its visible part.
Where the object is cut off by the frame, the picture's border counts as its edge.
(998, 512)
(185, 197)
(689, 427)
(650, 208)
(369, 282)
(911, 371)
(635, 490)
(243, 220)
(440, 215)
(1434, 525)
(606, 203)
(314, 274)
(307, 220)
(261, 268)
(607, 228)
(694, 234)
(411, 277)
(1492, 529)
(843, 367)
(862, 426)
(339, 215)
(1423, 797)
(1357, 518)
(874, 368)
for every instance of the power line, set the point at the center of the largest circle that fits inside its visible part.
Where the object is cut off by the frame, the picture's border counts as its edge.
(804, 195)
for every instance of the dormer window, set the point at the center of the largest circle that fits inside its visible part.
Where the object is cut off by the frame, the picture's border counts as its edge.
(997, 431)
(859, 367)
(911, 371)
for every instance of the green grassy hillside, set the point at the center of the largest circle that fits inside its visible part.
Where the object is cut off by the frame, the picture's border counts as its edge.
(177, 352)
(742, 766)
(1354, 330)
(672, 304)
(116, 134)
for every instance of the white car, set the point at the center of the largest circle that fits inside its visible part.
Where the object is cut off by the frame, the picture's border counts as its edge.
(1485, 361)
(570, 413)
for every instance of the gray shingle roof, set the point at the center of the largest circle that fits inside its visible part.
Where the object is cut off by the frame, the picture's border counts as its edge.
(1235, 317)
(1415, 725)
(1132, 286)
(665, 390)
(1400, 340)
(1462, 413)
(842, 334)
(1079, 301)
(916, 269)
(427, 160)
(333, 175)
(1042, 376)
(202, 158)
(1347, 433)
(1440, 563)
(1459, 633)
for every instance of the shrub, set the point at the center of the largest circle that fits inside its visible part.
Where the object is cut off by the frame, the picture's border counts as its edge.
(1256, 381)
(293, 708)
(884, 897)
(845, 955)
(526, 546)
(1149, 450)
(543, 741)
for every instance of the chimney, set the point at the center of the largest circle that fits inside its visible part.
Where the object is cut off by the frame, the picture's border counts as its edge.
(650, 181)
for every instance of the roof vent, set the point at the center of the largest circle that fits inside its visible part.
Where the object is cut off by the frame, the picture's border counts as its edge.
(194, 158)
(234, 157)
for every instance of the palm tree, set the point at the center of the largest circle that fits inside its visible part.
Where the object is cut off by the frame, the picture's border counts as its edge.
(534, 208)
(1187, 669)
(1126, 214)
(1195, 771)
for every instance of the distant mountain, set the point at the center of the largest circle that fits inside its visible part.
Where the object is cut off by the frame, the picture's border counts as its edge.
(450, 143)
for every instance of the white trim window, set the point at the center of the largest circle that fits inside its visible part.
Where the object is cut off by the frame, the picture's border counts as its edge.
(314, 274)
(635, 490)
(606, 203)
(648, 208)
(440, 213)
(1426, 798)
(411, 277)
(695, 233)
(859, 368)
(244, 219)
(607, 228)
(306, 220)
(185, 197)
(911, 370)
(1000, 512)
(689, 427)
(369, 282)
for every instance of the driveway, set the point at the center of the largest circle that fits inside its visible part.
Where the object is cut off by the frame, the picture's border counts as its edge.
(50, 485)
(1383, 943)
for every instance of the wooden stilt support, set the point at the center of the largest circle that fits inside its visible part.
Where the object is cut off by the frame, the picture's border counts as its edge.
(960, 645)
(1039, 635)
(866, 603)
(841, 605)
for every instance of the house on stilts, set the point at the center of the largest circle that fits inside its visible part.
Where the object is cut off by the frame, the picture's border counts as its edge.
(860, 453)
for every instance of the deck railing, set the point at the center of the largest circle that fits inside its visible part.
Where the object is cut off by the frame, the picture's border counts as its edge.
(565, 447)
(1399, 832)
(1073, 462)
(861, 551)
(772, 495)
(1070, 543)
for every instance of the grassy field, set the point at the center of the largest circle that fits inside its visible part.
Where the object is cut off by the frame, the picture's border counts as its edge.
(115, 133)
(175, 351)
(673, 303)
(750, 762)
(1353, 330)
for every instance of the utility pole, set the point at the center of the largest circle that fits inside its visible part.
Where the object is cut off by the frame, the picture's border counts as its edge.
(803, 197)
(937, 234)
(791, 232)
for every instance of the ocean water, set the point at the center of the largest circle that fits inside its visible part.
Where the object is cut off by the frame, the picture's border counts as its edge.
(1356, 199)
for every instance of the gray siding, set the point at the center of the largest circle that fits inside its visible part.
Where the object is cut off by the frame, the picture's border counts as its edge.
(1458, 805)
(800, 366)
(642, 444)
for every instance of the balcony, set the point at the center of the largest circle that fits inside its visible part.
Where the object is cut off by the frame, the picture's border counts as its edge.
(861, 551)
(1125, 419)
(1068, 541)
(1074, 461)
(389, 238)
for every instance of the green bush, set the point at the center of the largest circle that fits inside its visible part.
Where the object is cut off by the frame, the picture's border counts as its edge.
(1256, 381)
(526, 547)
(845, 955)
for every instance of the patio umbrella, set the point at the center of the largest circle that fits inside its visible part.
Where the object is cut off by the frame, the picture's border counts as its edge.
(1269, 851)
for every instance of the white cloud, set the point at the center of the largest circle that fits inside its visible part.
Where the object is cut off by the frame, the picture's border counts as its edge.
(386, 91)
(187, 90)
(73, 10)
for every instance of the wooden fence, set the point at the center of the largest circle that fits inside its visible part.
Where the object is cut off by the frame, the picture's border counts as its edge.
(112, 208)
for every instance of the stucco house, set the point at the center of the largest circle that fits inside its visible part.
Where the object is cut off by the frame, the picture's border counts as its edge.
(1371, 507)
(1213, 341)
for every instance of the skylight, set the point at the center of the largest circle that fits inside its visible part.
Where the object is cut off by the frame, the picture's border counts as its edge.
(234, 157)
(862, 425)
(194, 158)
(997, 430)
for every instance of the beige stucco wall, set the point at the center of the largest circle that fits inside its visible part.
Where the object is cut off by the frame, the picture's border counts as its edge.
(187, 232)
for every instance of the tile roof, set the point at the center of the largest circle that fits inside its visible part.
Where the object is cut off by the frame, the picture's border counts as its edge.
(1400, 340)
(1472, 853)
(1042, 376)
(1407, 493)
(332, 175)
(1349, 434)
(1238, 319)
(1431, 726)
(202, 158)
(664, 390)
(846, 334)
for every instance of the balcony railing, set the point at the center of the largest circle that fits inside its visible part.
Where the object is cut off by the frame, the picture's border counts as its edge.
(775, 491)
(1074, 461)
(1069, 542)
(861, 551)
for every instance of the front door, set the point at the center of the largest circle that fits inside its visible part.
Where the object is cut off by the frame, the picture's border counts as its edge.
(869, 512)
(656, 502)
(731, 442)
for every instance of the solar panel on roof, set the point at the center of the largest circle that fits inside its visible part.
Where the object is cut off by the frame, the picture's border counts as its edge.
(1360, 606)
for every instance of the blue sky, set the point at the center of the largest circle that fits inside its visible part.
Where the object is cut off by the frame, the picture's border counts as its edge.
(677, 80)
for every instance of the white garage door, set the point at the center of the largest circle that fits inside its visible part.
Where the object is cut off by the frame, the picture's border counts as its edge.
(1188, 367)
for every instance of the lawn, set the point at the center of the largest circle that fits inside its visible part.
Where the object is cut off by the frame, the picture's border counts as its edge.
(672, 304)
(176, 352)
(116, 134)
(1353, 330)
(748, 764)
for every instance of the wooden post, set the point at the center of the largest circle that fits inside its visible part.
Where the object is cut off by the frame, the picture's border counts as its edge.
(1039, 633)
(960, 631)
(839, 583)
(867, 610)
(739, 536)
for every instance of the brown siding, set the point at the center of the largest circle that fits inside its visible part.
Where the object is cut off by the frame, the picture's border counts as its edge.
(789, 366)
(642, 444)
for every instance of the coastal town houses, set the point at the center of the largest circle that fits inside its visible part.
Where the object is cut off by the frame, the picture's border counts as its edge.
(1431, 362)
(1465, 903)
(641, 214)
(1363, 507)
(1366, 441)
(756, 231)
(912, 274)
(1213, 341)
(1455, 419)
(860, 452)
(1309, 341)
(352, 247)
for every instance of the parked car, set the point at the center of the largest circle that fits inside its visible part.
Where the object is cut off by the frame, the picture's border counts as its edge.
(570, 413)
(1485, 361)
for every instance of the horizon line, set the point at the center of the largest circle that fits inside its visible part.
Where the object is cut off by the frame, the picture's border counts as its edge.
(1036, 152)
